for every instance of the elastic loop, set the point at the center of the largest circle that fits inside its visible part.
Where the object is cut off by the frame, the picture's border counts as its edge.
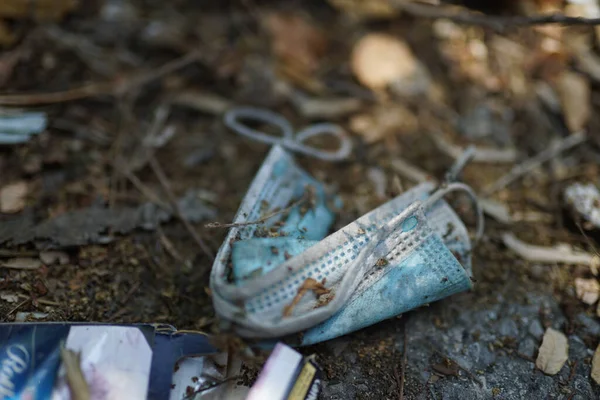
(457, 186)
(343, 151)
(233, 116)
(460, 163)
(288, 139)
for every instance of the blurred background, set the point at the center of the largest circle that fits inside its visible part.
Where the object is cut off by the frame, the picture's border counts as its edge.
(111, 113)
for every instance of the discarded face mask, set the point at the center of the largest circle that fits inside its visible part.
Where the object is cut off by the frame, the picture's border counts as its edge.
(18, 127)
(410, 251)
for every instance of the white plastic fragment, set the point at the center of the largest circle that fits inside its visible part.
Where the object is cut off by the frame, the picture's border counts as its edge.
(9, 297)
(588, 290)
(561, 253)
(18, 127)
(553, 353)
(23, 316)
(585, 199)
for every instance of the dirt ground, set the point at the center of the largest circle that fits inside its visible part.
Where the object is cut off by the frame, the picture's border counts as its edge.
(79, 248)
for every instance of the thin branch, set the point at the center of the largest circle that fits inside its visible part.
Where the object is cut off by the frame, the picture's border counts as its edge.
(164, 182)
(534, 162)
(159, 72)
(258, 221)
(146, 191)
(116, 88)
(78, 386)
(495, 22)
(309, 285)
(21, 304)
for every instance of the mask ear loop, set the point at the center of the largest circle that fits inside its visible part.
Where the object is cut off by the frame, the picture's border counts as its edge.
(459, 164)
(454, 187)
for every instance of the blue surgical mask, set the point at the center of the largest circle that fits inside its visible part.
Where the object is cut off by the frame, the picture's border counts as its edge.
(410, 251)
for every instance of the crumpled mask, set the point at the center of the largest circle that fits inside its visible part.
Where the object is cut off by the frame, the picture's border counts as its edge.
(290, 277)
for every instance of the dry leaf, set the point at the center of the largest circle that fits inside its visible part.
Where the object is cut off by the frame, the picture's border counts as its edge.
(78, 386)
(379, 59)
(596, 366)
(22, 263)
(588, 290)
(553, 353)
(574, 92)
(295, 41)
(12, 197)
(309, 284)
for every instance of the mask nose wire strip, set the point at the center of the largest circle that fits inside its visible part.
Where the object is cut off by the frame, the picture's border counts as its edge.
(455, 187)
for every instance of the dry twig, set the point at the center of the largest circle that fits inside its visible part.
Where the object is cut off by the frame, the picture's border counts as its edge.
(164, 182)
(534, 162)
(77, 384)
(309, 284)
(260, 220)
(498, 23)
(116, 88)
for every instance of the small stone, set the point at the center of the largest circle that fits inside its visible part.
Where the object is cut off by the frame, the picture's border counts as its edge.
(536, 329)
(13, 196)
(590, 325)
(578, 350)
(527, 347)
(508, 328)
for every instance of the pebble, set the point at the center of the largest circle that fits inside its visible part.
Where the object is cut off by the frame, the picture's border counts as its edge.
(536, 329)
